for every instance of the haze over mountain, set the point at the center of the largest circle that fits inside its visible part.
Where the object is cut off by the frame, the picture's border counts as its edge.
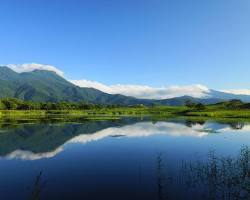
(45, 85)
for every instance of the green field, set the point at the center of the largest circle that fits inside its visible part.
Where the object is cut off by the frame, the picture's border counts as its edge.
(157, 111)
(18, 110)
(122, 111)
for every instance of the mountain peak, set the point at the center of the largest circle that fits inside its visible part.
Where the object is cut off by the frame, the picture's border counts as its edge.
(30, 67)
(6, 73)
(43, 71)
(5, 68)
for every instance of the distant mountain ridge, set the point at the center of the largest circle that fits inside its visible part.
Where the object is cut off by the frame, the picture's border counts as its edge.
(42, 85)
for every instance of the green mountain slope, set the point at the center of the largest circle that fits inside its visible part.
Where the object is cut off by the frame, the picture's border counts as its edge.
(47, 86)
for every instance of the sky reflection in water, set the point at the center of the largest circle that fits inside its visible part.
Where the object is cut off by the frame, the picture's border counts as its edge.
(122, 159)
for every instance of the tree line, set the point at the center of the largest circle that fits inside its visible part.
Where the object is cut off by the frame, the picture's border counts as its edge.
(17, 104)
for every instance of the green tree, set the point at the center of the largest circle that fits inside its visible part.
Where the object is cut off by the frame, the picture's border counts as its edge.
(2, 106)
(199, 106)
(10, 104)
(190, 104)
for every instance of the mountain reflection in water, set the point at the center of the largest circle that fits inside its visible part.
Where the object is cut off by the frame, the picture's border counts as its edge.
(125, 159)
(36, 141)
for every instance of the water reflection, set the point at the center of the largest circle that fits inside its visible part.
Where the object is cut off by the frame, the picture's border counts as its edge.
(219, 177)
(35, 141)
(191, 123)
(125, 159)
(37, 188)
(237, 125)
(45, 140)
(214, 177)
(164, 180)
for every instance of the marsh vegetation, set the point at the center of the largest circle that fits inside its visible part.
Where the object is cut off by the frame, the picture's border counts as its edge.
(214, 177)
(14, 108)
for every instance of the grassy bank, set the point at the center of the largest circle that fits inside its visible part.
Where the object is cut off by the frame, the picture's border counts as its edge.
(210, 111)
(157, 111)
(112, 113)
(221, 113)
(15, 108)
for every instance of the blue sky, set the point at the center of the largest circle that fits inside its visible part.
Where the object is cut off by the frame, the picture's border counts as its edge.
(141, 42)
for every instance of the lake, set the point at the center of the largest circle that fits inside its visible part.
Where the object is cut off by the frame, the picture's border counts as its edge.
(130, 158)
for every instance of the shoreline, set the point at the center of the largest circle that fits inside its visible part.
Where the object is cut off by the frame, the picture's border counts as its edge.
(163, 112)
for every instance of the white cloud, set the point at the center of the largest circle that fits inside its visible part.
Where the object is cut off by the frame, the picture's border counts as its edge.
(28, 155)
(28, 67)
(92, 84)
(238, 91)
(147, 92)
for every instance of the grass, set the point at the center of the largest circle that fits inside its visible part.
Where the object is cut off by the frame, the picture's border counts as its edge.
(115, 113)
(221, 113)
(123, 111)
(218, 111)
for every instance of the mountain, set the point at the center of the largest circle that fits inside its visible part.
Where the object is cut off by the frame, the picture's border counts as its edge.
(42, 85)
(176, 101)
(228, 96)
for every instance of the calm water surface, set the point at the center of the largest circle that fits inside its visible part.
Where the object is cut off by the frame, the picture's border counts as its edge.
(125, 159)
